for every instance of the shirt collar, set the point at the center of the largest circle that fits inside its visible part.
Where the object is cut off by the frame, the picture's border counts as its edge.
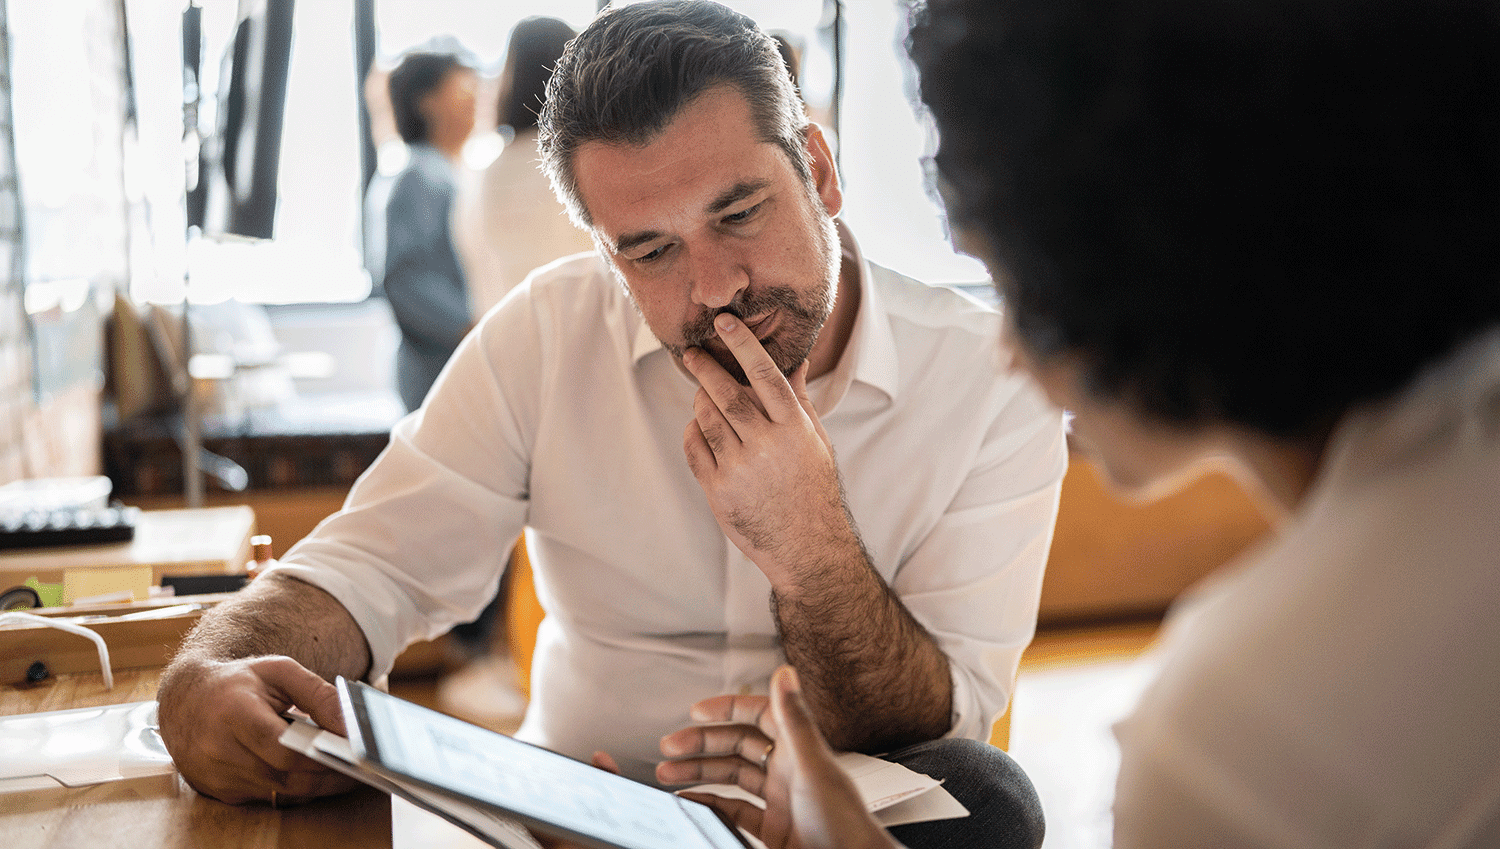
(869, 358)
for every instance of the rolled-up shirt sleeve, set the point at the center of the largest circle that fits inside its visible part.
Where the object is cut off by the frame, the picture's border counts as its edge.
(975, 579)
(427, 530)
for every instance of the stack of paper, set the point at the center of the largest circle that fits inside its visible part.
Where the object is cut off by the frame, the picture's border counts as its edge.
(893, 793)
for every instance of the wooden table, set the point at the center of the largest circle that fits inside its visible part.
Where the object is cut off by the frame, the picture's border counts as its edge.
(162, 811)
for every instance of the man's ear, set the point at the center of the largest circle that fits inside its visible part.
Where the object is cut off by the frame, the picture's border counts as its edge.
(825, 176)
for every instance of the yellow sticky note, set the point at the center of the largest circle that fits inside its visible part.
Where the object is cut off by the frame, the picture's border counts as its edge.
(84, 583)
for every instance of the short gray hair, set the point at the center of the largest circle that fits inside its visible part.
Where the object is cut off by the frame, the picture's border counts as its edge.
(632, 70)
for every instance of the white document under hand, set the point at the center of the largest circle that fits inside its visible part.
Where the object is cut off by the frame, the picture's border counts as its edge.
(897, 795)
(893, 793)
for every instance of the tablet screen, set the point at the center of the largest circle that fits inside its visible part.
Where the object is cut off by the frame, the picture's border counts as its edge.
(550, 790)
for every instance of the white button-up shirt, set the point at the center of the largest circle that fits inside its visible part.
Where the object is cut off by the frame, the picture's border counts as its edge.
(562, 413)
(1341, 686)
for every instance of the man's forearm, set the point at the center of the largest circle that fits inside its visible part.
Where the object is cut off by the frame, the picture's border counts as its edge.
(279, 615)
(872, 674)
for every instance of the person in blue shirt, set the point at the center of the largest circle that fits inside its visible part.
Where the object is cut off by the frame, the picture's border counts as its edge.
(432, 98)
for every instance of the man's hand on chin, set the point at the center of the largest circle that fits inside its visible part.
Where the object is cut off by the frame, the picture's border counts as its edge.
(763, 458)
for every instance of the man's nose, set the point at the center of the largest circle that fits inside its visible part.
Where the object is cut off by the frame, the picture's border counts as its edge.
(717, 277)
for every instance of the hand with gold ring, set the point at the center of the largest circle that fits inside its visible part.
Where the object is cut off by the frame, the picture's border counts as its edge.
(729, 746)
(222, 721)
(811, 803)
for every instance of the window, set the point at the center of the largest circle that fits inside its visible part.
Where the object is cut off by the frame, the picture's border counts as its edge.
(315, 255)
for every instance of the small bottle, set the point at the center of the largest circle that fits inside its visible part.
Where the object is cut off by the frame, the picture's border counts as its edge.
(260, 555)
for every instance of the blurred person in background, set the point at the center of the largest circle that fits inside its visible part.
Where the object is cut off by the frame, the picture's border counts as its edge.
(432, 100)
(511, 222)
(506, 223)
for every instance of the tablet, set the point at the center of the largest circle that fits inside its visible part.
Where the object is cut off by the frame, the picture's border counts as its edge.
(551, 793)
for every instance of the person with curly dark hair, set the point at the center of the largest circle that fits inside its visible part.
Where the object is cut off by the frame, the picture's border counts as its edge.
(1264, 232)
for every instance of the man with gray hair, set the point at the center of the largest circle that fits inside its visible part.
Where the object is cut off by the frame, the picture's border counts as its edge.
(726, 317)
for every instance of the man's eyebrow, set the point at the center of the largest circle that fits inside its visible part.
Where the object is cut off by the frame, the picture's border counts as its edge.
(736, 193)
(631, 240)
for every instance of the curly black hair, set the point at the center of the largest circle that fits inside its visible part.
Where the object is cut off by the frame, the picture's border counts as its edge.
(1262, 212)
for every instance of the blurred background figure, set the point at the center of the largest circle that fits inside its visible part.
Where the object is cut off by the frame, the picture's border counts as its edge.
(507, 222)
(511, 222)
(432, 101)
(791, 56)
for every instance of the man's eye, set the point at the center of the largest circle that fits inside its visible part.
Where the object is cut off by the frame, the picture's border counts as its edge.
(743, 215)
(654, 255)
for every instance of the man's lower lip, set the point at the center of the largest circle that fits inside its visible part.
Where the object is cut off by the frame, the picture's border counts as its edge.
(763, 328)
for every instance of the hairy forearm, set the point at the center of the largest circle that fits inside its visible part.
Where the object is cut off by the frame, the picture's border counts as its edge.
(873, 676)
(279, 615)
(271, 647)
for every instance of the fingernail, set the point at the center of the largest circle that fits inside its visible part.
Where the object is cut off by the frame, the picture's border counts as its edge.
(789, 680)
(724, 321)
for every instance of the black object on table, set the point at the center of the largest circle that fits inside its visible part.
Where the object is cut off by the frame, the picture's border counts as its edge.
(53, 528)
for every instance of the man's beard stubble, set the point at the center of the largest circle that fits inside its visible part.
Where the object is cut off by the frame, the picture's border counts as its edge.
(801, 319)
(799, 324)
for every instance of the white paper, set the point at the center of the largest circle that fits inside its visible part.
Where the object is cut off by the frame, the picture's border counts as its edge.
(934, 804)
(894, 794)
(415, 827)
(80, 747)
(883, 784)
